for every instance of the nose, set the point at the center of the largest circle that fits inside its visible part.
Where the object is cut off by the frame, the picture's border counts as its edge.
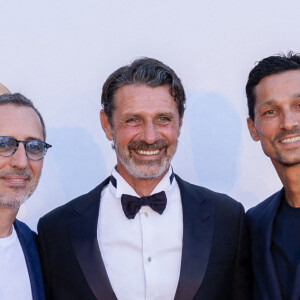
(289, 121)
(19, 159)
(149, 134)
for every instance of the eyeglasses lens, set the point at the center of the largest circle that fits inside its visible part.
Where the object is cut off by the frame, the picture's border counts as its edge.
(35, 150)
(7, 146)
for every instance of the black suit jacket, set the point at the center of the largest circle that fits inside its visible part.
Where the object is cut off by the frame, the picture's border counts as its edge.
(215, 256)
(261, 220)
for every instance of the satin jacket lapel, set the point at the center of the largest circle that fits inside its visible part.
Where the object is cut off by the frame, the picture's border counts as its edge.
(263, 245)
(26, 238)
(198, 228)
(83, 235)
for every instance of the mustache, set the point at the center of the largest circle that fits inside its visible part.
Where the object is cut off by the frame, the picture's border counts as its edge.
(283, 134)
(141, 145)
(16, 172)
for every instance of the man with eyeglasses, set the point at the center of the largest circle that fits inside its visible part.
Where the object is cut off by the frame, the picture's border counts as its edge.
(144, 233)
(22, 149)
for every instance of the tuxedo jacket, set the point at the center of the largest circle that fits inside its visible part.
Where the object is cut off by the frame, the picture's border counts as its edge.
(261, 220)
(215, 261)
(28, 245)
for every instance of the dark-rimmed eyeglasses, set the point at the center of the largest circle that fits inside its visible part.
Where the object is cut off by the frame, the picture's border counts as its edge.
(35, 150)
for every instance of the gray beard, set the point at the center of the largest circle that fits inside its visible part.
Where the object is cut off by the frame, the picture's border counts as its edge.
(13, 200)
(143, 171)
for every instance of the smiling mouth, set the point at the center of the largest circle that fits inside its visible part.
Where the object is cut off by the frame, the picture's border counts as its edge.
(15, 181)
(151, 152)
(291, 140)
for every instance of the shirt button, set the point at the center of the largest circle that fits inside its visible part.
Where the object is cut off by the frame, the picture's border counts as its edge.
(149, 259)
(146, 214)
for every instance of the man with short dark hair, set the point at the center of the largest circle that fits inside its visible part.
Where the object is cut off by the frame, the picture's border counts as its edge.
(22, 149)
(273, 92)
(144, 233)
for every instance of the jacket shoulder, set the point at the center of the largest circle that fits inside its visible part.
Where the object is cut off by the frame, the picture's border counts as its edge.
(22, 227)
(198, 193)
(83, 202)
(266, 205)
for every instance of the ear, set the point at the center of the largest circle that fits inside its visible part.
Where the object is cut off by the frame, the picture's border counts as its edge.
(106, 125)
(252, 130)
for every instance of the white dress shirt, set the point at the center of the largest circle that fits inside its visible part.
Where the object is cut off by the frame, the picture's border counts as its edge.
(142, 256)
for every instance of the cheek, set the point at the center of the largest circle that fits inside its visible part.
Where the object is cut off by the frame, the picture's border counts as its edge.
(126, 134)
(36, 168)
(4, 163)
(267, 133)
(171, 133)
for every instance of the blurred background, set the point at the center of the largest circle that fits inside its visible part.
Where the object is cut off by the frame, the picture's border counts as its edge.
(59, 53)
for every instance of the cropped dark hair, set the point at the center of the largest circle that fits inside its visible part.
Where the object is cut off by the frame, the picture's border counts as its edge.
(20, 100)
(148, 71)
(268, 66)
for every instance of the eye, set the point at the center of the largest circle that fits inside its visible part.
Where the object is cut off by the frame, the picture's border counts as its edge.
(164, 120)
(3, 145)
(6, 143)
(133, 121)
(270, 112)
(35, 147)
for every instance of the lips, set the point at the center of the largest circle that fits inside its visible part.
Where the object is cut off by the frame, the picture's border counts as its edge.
(149, 153)
(15, 180)
(290, 140)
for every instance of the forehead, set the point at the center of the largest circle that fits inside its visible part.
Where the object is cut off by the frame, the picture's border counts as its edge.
(278, 87)
(20, 122)
(141, 98)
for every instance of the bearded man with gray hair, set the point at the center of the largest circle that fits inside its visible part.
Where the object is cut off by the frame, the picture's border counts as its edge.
(144, 233)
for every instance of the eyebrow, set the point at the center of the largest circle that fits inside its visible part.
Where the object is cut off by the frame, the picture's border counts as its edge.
(268, 102)
(159, 114)
(167, 114)
(131, 115)
(273, 101)
(30, 138)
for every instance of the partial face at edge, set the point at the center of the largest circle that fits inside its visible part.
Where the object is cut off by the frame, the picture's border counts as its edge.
(19, 176)
(277, 117)
(146, 127)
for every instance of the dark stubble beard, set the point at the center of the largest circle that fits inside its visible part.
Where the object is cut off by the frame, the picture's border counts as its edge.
(285, 159)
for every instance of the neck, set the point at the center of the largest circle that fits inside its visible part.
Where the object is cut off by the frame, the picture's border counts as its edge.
(7, 217)
(290, 178)
(143, 187)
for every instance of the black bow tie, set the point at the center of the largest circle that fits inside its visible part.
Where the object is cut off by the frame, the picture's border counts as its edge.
(131, 204)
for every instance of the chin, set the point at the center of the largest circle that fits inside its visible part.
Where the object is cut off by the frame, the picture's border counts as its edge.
(148, 172)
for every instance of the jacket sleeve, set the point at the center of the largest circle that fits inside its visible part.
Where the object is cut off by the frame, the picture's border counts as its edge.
(242, 277)
(42, 248)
